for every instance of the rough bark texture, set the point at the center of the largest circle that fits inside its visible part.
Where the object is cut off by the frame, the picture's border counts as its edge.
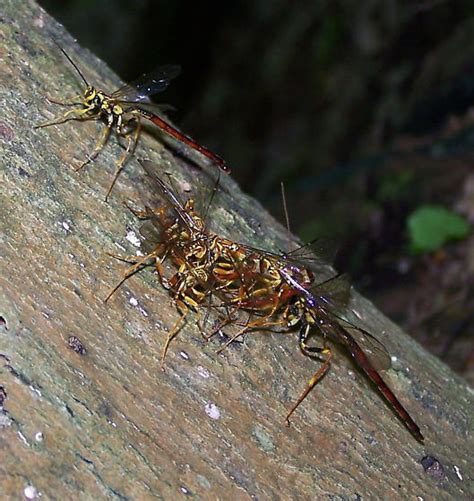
(109, 423)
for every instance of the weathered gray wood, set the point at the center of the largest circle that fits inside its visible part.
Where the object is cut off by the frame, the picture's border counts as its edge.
(110, 423)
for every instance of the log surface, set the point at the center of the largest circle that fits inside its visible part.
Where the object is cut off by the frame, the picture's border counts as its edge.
(108, 423)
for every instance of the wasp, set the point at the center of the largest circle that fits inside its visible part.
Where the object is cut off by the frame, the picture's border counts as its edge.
(176, 232)
(122, 111)
(276, 290)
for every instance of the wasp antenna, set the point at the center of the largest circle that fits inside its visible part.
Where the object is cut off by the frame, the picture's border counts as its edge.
(173, 190)
(213, 194)
(285, 208)
(74, 65)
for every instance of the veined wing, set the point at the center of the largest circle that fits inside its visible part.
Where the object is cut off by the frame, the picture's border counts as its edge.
(171, 197)
(151, 231)
(334, 293)
(147, 85)
(304, 258)
(156, 108)
(319, 251)
(374, 350)
(333, 296)
(366, 364)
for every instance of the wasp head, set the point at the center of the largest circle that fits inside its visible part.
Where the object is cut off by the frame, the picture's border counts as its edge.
(92, 97)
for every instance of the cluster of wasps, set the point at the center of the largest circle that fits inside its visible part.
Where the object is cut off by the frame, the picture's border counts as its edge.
(270, 290)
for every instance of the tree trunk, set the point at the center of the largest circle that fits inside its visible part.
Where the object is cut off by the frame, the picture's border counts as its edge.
(105, 421)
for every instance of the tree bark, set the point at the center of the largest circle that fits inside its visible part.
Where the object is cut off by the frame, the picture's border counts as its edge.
(106, 422)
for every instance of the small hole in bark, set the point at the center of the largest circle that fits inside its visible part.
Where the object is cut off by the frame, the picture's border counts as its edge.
(3, 322)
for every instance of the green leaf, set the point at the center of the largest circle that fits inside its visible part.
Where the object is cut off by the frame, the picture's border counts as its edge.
(430, 226)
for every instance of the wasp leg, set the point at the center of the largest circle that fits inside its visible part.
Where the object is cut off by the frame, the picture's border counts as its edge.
(174, 331)
(70, 102)
(261, 323)
(159, 268)
(75, 114)
(129, 150)
(201, 325)
(103, 138)
(214, 330)
(125, 259)
(311, 351)
(139, 264)
(140, 214)
(217, 328)
(239, 333)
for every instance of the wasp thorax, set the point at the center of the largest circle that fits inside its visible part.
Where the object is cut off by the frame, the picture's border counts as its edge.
(293, 313)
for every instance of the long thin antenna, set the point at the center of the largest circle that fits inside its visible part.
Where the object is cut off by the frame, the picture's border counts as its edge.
(211, 198)
(285, 208)
(174, 192)
(72, 62)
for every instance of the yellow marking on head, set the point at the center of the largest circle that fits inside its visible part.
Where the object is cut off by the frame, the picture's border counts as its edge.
(90, 96)
(90, 93)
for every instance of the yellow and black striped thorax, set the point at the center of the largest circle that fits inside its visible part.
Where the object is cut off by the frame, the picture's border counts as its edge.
(99, 103)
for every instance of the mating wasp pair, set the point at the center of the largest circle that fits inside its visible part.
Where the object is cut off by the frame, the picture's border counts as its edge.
(213, 273)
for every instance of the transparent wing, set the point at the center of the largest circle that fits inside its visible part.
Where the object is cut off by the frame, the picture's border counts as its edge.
(151, 231)
(313, 255)
(157, 108)
(371, 346)
(333, 295)
(168, 192)
(147, 85)
(318, 251)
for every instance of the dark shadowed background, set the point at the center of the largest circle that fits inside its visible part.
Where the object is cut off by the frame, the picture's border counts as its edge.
(363, 109)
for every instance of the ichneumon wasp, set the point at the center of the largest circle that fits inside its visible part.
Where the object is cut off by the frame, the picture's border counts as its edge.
(273, 290)
(123, 111)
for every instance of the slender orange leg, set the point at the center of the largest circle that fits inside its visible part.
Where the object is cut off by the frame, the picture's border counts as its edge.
(261, 323)
(139, 264)
(75, 114)
(314, 380)
(220, 326)
(103, 138)
(131, 145)
(174, 331)
(70, 102)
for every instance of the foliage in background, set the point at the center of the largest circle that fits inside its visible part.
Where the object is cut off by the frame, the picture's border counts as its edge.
(431, 226)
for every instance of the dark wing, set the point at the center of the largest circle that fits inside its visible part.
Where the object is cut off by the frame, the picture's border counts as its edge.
(172, 198)
(157, 108)
(366, 362)
(371, 346)
(313, 256)
(152, 233)
(334, 295)
(317, 252)
(145, 86)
